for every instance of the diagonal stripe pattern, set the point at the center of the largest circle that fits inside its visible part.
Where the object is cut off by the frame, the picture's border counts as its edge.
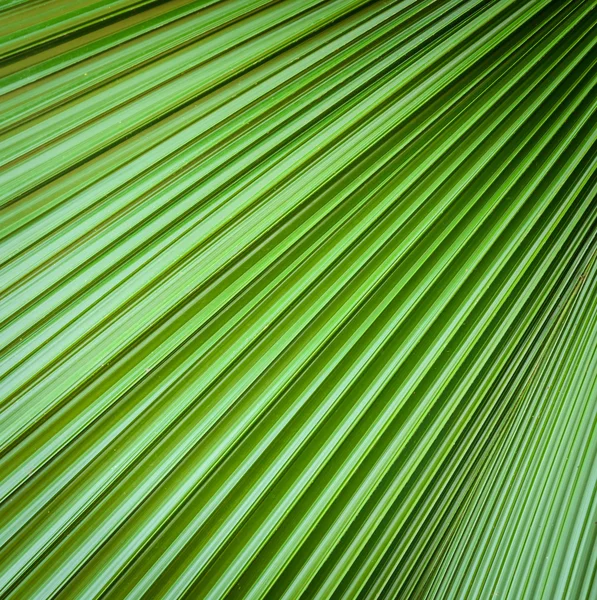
(298, 299)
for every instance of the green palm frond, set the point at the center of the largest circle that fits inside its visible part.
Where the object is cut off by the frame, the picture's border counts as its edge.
(298, 299)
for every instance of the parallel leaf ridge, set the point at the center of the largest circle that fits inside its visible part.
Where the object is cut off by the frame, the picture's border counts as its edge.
(298, 299)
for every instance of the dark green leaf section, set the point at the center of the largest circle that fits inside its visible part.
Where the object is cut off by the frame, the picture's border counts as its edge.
(298, 299)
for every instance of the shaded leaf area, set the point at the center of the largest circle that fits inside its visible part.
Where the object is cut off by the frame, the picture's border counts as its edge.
(530, 525)
(298, 299)
(525, 523)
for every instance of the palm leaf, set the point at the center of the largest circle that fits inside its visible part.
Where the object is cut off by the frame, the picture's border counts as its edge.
(298, 299)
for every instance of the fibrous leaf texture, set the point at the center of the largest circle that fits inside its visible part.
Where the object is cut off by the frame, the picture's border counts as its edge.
(298, 299)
